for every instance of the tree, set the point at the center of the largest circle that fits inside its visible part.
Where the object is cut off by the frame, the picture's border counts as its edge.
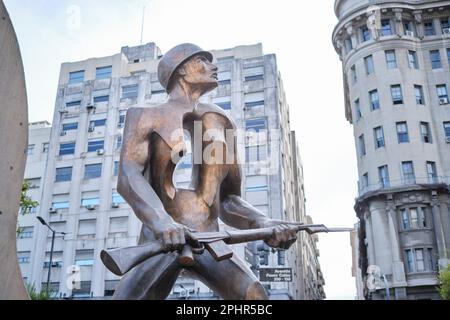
(26, 203)
(444, 279)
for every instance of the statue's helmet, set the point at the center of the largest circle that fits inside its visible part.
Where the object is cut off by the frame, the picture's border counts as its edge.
(174, 58)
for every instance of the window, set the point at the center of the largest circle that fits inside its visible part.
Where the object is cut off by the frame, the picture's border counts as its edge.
(85, 286)
(130, 91)
(429, 29)
(348, 44)
(63, 174)
(435, 57)
(418, 262)
(255, 124)
(255, 153)
(118, 142)
(94, 145)
(425, 132)
(391, 60)
(365, 34)
(442, 94)
(432, 172)
(70, 126)
(397, 96)
(90, 201)
(413, 218)
(60, 201)
(92, 171)
(353, 74)
(224, 78)
(30, 150)
(362, 145)
(386, 29)
(84, 257)
(445, 25)
(402, 132)
(448, 56)
(45, 147)
(76, 103)
(225, 105)
(76, 77)
(447, 129)
(368, 61)
(409, 260)
(383, 175)
(418, 92)
(23, 256)
(103, 72)
(365, 181)
(99, 99)
(408, 27)
(25, 233)
(122, 117)
(374, 100)
(412, 60)
(358, 110)
(408, 172)
(116, 168)
(256, 190)
(254, 77)
(96, 123)
(254, 99)
(117, 198)
(67, 148)
(379, 137)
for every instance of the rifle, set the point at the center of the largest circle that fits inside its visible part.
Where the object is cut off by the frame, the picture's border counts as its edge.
(121, 260)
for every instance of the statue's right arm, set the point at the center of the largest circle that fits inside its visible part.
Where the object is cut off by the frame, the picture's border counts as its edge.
(136, 190)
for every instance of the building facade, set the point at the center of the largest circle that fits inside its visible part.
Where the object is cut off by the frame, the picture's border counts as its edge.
(396, 67)
(79, 196)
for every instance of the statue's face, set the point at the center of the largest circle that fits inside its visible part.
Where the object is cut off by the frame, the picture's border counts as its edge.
(198, 71)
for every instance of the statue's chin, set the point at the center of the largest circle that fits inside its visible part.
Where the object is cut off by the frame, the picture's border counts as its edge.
(210, 86)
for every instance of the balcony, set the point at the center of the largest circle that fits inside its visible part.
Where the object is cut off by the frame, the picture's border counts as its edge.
(410, 181)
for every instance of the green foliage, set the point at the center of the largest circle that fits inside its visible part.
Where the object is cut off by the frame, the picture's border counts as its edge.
(26, 203)
(45, 294)
(444, 279)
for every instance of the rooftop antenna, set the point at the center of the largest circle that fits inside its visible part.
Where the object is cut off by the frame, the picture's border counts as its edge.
(142, 27)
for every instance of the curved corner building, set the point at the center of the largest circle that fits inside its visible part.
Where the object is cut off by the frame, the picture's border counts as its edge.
(396, 66)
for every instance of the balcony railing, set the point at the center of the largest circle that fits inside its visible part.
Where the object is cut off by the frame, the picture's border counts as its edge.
(406, 181)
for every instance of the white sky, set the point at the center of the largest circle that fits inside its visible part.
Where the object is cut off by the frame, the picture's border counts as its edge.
(298, 32)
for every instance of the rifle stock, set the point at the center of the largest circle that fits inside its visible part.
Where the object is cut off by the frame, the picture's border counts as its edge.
(121, 260)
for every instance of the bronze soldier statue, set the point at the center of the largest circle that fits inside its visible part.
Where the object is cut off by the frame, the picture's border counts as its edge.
(167, 213)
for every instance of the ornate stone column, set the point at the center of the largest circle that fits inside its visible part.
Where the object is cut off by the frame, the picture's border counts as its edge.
(399, 29)
(351, 32)
(419, 25)
(398, 268)
(439, 230)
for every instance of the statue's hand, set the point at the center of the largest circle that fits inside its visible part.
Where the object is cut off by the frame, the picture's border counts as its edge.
(170, 233)
(284, 235)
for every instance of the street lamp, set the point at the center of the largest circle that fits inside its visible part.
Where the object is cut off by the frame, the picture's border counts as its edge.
(43, 222)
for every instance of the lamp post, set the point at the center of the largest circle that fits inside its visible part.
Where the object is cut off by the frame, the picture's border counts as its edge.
(43, 222)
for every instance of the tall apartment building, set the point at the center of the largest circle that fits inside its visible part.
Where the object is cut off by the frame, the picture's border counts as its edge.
(79, 194)
(396, 66)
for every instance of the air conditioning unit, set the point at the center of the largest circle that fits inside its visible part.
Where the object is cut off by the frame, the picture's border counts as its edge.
(100, 152)
(443, 101)
(90, 106)
(115, 205)
(447, 139)
(120, 125)
(409, 33)
(446, 31)
(90, 207)
(184, 294)
(91, 129)
(62, 133)
(53, 210)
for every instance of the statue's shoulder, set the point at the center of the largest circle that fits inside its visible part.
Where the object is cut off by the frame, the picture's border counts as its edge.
(147, 112)
(210, 107)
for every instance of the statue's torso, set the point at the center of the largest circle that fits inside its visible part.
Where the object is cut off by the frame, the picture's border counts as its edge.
(197, 208)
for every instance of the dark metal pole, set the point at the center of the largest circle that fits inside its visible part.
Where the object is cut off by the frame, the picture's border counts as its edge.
(51, 260)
